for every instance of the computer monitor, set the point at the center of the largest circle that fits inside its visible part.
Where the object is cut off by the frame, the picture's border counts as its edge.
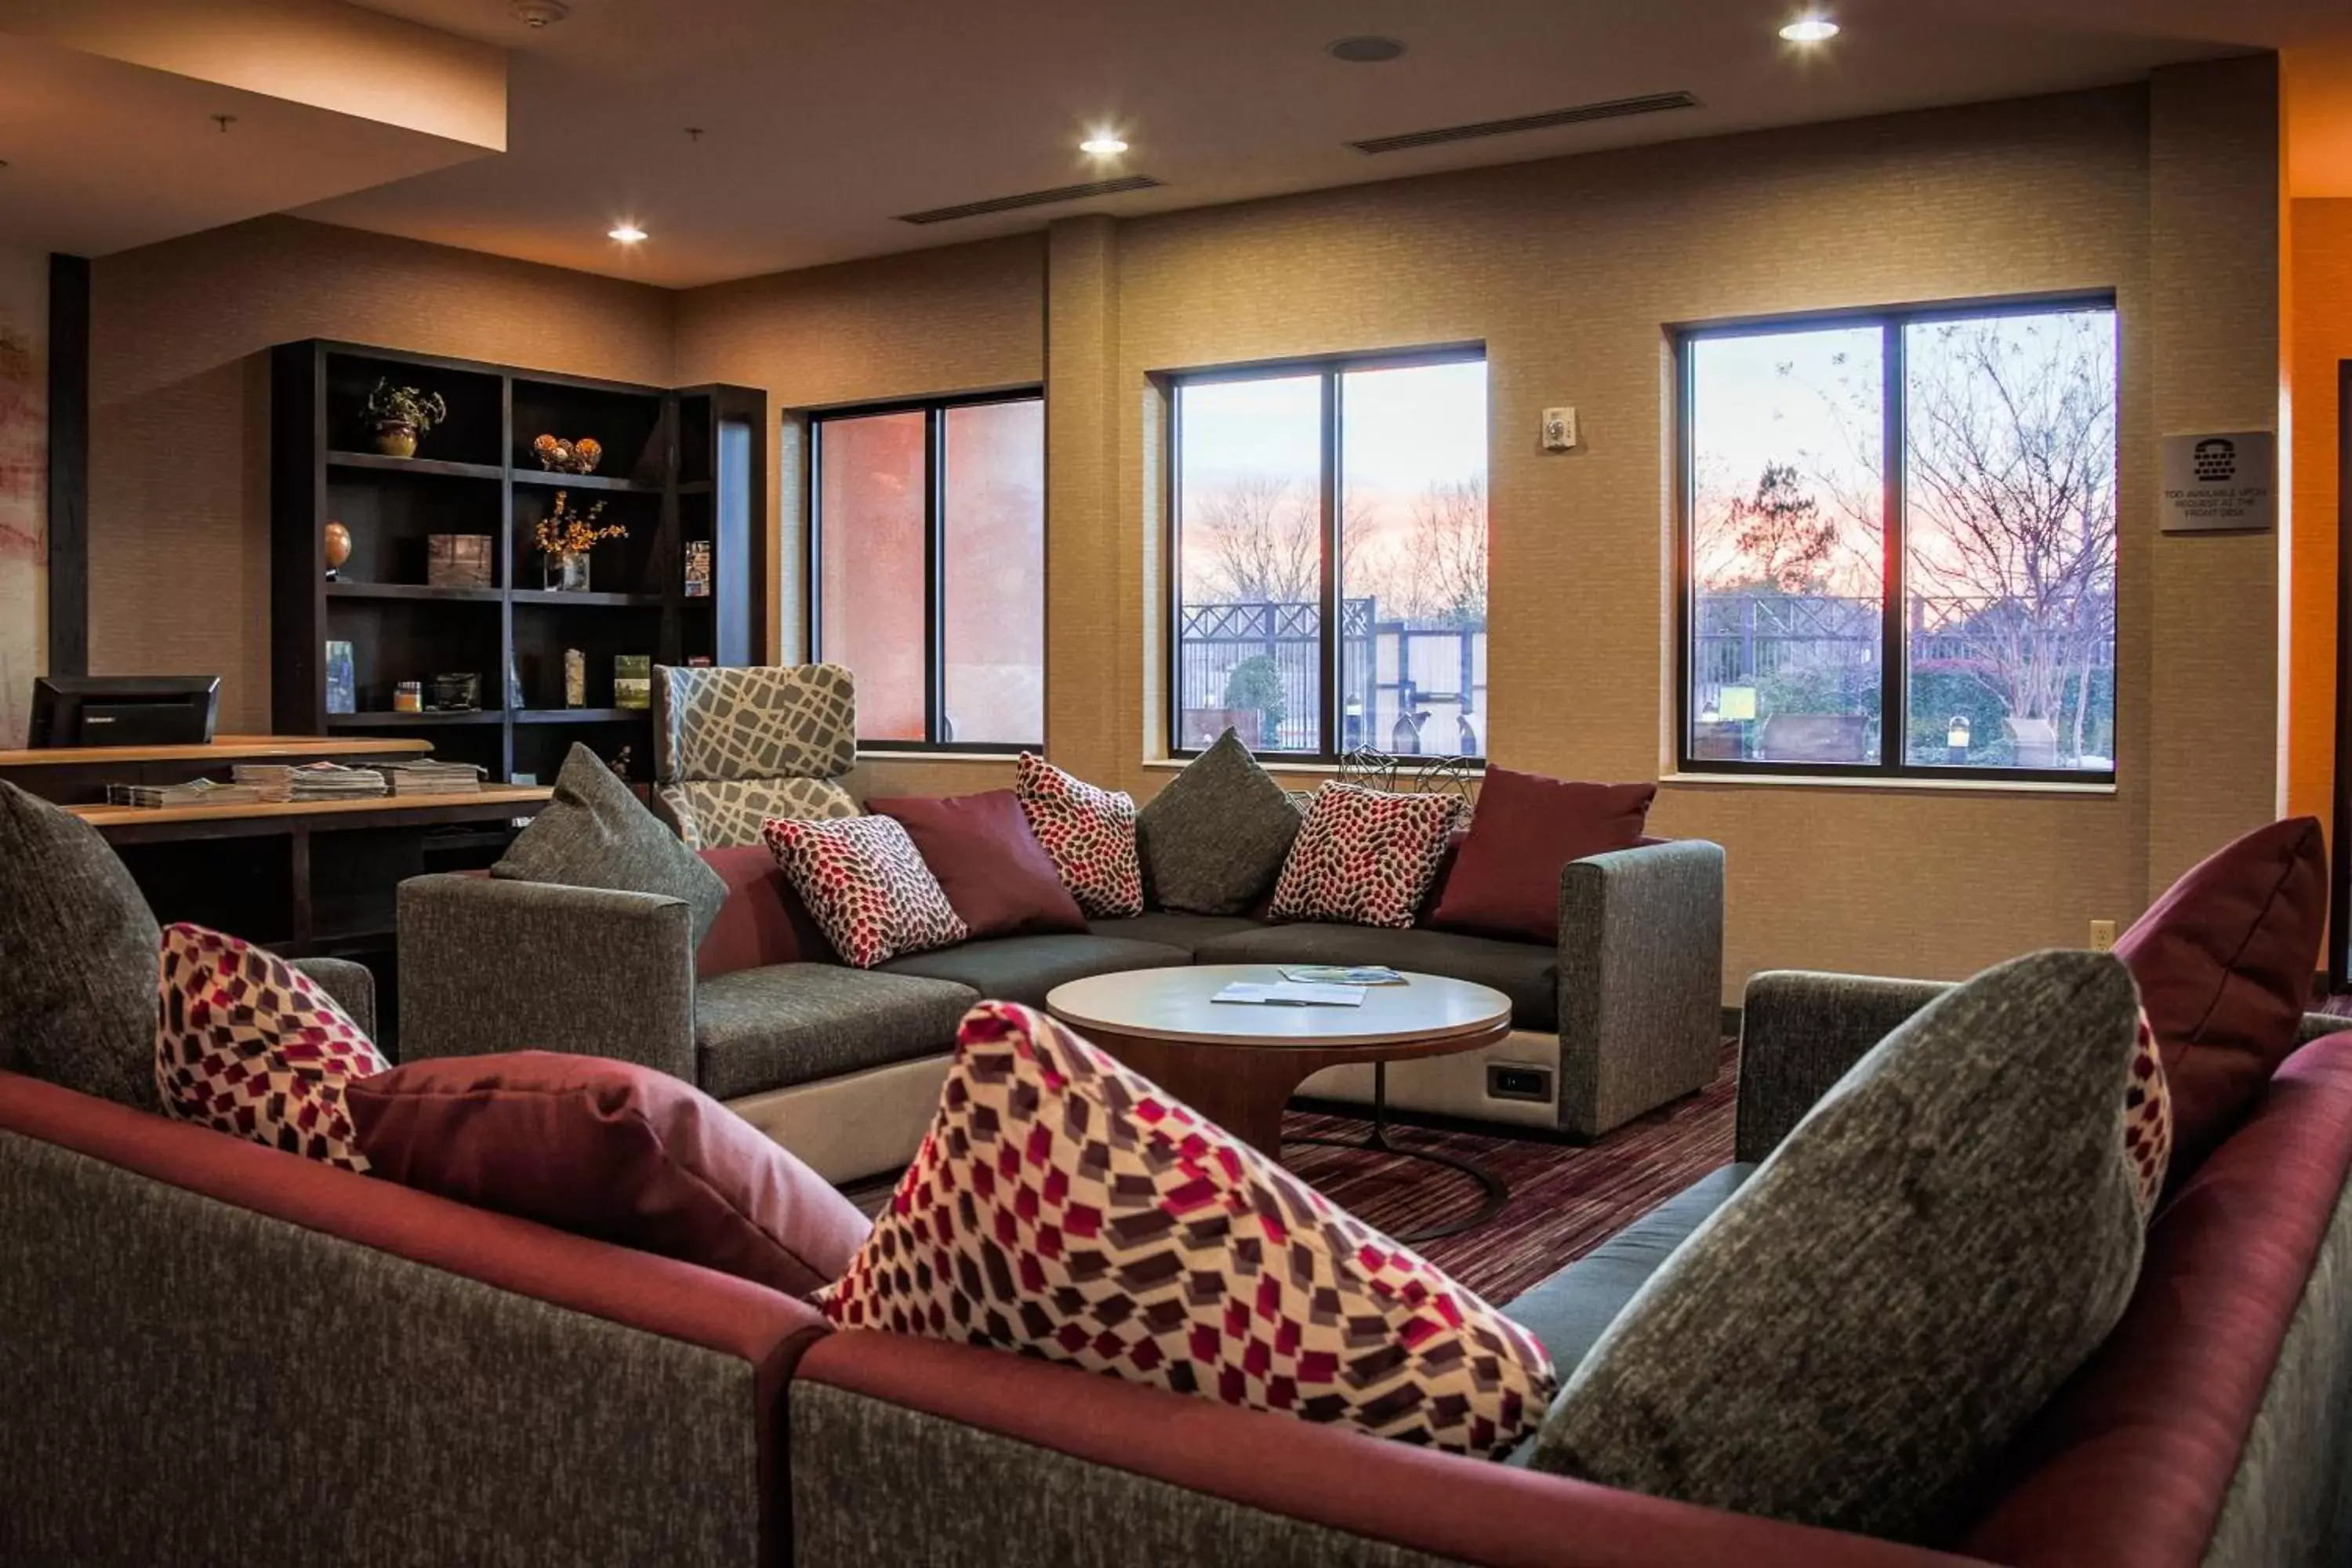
(124, 710)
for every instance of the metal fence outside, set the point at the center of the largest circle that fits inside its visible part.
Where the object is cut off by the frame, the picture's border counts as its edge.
(1406, 686)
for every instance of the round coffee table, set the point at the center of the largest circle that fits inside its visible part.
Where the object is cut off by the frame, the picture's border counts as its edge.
(1239, 1063)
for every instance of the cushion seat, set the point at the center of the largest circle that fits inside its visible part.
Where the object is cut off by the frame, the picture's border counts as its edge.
(1171, 928)
(1525, 971)
(1024, 968)
(1568, 1311)
(793, 1022)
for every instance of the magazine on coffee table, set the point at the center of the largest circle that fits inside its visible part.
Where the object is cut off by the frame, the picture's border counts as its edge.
(1342, 974)
(1291, 994)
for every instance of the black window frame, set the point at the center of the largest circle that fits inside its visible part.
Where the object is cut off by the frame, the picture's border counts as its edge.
(935, 411)
(1329, 369)
(1894, 679)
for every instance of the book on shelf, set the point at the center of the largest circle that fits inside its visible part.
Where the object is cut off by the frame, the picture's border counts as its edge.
(312, 781)
(196, 792)
(429, 777)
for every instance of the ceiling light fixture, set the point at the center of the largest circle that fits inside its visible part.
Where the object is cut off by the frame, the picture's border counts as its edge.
(1102, 144)
(626, 233)
(1815, 30)
(539, 13)
(1364, 49)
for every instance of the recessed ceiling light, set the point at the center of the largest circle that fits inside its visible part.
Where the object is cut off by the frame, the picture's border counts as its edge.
(1102, 144)
(1364, 49)
(1810, 30)
(626, 233)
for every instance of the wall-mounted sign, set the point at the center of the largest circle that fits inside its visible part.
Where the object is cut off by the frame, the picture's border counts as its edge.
(2226, 483)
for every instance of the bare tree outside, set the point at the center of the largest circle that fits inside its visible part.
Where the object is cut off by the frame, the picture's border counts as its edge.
(1251, 539)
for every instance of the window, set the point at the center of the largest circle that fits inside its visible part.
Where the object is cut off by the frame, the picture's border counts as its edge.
(1949, 613)
(930, 539)
(1330, 543)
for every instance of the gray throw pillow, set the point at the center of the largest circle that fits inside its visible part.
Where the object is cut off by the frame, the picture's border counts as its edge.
(79, 952)
(1214, 839)
(595, 833)
(1879, 1311)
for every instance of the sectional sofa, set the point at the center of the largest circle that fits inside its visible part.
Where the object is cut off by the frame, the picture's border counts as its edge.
(842, 1066)
(222, 1352)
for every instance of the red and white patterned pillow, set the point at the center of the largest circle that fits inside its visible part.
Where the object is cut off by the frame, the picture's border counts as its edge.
(1088, 833)
(866, 883)
(1365, 858)
(1064, 1206)
(249, 1045)
(2147, 1118)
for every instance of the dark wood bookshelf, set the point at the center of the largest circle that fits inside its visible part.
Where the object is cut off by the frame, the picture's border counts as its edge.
(396, 719)
(580, 715)
(678, 465)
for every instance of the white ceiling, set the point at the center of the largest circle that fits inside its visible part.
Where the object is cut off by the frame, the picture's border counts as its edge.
(825, 118)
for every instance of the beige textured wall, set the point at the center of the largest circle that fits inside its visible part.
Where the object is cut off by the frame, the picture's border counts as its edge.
(179, 505)
(2212, 334)
(1572, 273)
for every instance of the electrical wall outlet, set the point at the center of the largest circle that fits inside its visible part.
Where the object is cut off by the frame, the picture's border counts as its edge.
(2103, 936)
(1560, 429)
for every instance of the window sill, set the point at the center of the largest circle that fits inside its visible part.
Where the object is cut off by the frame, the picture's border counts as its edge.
(871, 754)
(1178, 765)
(1940, 786)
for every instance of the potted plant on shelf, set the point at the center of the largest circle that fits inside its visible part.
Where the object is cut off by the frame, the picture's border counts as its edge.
(401, 415)
(565, 537)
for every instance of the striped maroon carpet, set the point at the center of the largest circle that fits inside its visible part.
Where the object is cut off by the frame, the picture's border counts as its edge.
(1565, 1200)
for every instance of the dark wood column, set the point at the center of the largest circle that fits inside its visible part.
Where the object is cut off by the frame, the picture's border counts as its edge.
(68, 523)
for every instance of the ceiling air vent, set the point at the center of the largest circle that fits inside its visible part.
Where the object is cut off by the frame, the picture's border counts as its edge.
(1615, 108)
(1033, 199)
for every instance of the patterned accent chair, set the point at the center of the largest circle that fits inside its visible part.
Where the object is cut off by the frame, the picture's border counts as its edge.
(733, 747)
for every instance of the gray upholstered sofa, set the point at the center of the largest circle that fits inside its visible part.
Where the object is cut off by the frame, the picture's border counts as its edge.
(2213, 1430)
(842, 1066)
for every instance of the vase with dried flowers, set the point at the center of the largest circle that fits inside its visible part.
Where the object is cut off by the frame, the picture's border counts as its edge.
(565, 537)
(401, 415)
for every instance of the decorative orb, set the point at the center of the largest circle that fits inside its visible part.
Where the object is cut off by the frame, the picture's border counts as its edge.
(339, 545)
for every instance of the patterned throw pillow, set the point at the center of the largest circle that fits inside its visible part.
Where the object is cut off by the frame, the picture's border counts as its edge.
(1365, 858)
(2148, 1118)
(1062, 1206)
(247, 1044)
(866, 884)
(1088, 832)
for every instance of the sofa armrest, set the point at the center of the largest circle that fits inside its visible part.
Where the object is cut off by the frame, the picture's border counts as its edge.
(1025, 1462)
(351, 985)
(488, 965)
(511, 1393)
(1799, 1033)
(1641, 979)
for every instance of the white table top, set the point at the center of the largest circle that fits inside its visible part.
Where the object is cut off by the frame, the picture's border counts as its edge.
(1174, 1005)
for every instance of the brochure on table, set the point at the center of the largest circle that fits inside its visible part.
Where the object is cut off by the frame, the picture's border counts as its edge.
(1292, 993)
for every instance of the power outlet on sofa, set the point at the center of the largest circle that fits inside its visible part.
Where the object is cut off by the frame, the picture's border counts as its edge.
(1512, 1080)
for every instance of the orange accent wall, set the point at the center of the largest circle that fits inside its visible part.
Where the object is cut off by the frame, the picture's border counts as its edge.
(2320, 337)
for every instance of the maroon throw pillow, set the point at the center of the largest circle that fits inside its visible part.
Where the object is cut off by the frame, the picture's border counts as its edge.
(1505, 880)
(985, 853)
(2224, 961)
(764, 919)
(610, 1150)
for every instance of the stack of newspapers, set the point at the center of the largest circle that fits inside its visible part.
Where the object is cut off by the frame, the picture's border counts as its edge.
(312, 781)
(433, 778)
(196, 792)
